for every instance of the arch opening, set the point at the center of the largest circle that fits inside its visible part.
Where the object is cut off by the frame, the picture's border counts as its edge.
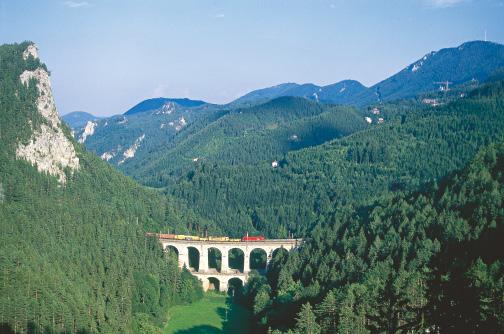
(213, 284)
(214, 259)
(194, 258)
(258, 259)
(283, 252)
(172, 252)
(278, 260)
(235, 287)
(236, 259)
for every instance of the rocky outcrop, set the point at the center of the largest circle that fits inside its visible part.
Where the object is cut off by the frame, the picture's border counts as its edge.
(30, 50)
(48, 148)
(2, 194)
(89, 130)
(130, 152)
(167, 108)
(107, 156)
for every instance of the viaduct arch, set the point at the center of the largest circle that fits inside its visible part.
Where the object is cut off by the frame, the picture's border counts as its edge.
(206, 275)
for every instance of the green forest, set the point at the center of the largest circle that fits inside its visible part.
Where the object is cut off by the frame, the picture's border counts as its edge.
(403, 218)
(74, 258)
(414, 146)
(416, 262)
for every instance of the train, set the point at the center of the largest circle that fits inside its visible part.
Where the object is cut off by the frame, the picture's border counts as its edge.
(257, 238)
(197, 238)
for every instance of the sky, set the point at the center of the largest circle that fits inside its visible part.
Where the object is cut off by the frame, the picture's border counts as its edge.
(106, 56)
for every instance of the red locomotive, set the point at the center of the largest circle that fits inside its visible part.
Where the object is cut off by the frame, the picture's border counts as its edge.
(258, 238)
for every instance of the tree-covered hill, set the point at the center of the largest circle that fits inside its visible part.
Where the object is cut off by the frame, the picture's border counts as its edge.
(168, 134)
(247, 136)
(157, 103)
(476, 60)
(420, 262)
(150, 125)
(414, 145)
(73, 256)
(78, 119)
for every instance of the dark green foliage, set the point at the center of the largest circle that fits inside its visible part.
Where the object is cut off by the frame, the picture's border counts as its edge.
(416, 144)
(415, 262)
(74, 257)
(248, 136)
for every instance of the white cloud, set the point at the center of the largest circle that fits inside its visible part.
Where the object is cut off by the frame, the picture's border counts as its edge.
(444, 3)
(76, 4)
(219, 16)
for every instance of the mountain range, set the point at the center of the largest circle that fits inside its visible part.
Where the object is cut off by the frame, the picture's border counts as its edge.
(153, 128)
(398, 194)
(476, 60)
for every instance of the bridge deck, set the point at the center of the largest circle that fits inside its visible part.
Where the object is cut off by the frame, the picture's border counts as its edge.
(242, 243)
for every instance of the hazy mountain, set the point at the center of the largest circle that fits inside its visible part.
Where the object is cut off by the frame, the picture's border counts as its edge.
(339, 92)
(157, 103)
(475, 60)
(150, 124)
(158, 125)
(471, 61)
(78, 119)
(251, 134)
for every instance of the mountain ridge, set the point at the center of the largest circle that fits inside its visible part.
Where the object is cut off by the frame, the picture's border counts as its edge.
(77, 119)
(159, 102)
(402, 84)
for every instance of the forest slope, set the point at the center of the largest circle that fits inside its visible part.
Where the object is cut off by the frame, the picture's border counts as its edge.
(73, 255)
(415, 263)
(413, 146)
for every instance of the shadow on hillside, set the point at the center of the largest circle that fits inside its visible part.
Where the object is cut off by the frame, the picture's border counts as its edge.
(235, 318)
(203, 329)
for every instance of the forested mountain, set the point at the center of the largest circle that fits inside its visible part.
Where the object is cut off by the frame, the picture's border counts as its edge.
(343, 92)
(475, 60)
(160, 102)
(247, 136)
(415, 144)
(149, 125)
(73, 256)
(420, 262)
(394, 229)
(78, 119)
(169, 134)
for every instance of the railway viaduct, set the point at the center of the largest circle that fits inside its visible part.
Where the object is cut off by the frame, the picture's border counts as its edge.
(219, 279)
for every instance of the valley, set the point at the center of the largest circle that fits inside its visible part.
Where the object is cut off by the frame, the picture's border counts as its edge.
(290, 209)
(214, 313)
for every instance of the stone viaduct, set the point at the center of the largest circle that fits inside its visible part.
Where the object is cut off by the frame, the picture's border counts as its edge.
(220, 278)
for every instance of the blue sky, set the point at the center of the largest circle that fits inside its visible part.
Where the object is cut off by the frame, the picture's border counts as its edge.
(105, 56)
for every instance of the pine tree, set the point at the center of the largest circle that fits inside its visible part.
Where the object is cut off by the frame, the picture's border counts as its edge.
(306, 322)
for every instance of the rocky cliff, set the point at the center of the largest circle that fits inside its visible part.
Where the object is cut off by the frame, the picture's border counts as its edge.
(48, 148)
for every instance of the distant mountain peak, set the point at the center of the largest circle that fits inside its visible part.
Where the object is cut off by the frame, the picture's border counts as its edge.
(472, 59)
(160, 102)
(78, 119)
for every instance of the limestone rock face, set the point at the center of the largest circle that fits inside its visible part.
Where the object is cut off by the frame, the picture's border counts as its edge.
(130, 152)
(30, 50)
(89, 130)
(49, 148)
